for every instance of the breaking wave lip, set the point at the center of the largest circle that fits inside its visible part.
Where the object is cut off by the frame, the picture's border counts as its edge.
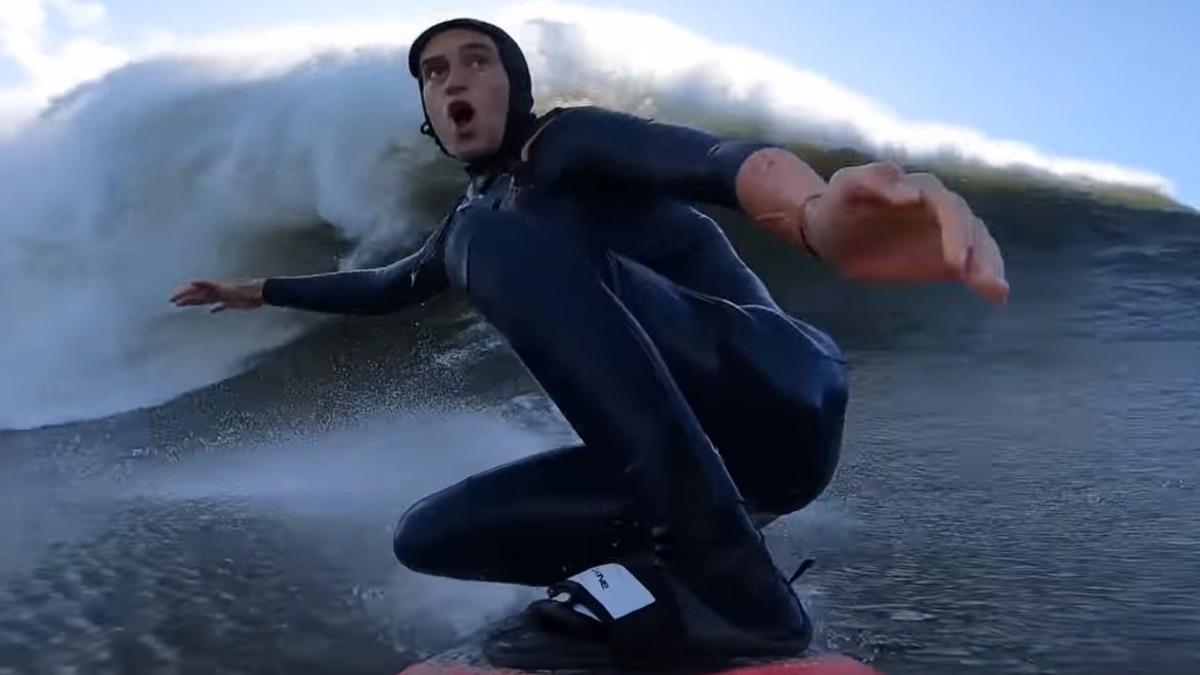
(664, 68)
(223, 166)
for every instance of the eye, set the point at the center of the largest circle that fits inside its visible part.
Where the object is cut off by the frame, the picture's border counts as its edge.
(479, 62)
(434, 72)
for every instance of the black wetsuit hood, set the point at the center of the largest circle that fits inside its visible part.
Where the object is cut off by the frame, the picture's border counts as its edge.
(520, 122)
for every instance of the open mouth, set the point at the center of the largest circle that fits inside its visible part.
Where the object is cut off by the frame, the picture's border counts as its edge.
(461, 113)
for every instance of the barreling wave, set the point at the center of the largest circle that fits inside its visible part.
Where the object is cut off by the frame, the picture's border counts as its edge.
(191, 166)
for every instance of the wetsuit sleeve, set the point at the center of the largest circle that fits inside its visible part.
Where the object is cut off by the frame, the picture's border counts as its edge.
(594, 144)
(413, 279)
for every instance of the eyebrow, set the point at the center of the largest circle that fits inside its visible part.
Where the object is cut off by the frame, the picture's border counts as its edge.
(476, 45)
(462, 48)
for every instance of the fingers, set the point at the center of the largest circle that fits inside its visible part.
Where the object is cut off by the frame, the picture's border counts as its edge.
(968, 252)
(195, 293)
(191, 297)
(968, 249)
(181, 294)
(985, 273)
(186, 298)
(886, 181)
(904, 193)
(958, 232)
(955, 222)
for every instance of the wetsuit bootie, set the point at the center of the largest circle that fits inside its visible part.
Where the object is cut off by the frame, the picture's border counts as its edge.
(722, 559)
(638, 613)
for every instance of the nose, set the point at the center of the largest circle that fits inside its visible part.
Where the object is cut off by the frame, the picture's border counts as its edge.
(456, 82)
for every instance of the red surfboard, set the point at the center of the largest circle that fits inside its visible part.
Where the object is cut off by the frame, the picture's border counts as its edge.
(468, 659)
(619, 593)
(816, 665)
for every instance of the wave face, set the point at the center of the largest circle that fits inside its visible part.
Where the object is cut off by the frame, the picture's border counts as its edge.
(169, 170)
(193, 166)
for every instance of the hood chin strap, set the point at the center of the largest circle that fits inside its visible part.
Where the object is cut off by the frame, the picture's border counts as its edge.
(427, 130)
(517, 131)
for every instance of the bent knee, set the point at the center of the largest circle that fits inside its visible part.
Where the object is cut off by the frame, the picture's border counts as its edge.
(814, 428)
(418, 541)
(833, 391)
(823, 404)
(816, 387)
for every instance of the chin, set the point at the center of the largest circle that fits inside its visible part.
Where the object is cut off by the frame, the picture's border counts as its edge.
(468, 155)
(471, 155)
(470, 152)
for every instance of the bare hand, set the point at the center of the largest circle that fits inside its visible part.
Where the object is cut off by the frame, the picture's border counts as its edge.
(223, 295)
(876, 223)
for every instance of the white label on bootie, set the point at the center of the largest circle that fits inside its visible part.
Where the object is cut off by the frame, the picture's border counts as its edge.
(616, 588)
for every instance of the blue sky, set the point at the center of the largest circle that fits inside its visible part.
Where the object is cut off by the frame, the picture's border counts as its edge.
(1111, 80)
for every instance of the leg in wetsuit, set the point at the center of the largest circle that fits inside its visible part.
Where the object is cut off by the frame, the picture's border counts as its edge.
(649, 370)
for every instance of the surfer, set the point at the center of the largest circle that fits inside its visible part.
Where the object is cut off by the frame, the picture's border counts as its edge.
(705, 411)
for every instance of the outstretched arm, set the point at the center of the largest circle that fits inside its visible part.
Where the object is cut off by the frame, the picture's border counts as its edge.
(872, 222)
(370, 291)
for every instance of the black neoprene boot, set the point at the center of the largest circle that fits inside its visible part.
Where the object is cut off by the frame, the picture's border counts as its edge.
(676, 607)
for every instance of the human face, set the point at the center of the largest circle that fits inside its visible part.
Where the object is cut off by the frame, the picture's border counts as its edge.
(465, 89)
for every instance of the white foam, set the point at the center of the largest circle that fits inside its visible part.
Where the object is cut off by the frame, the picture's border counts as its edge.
(225, 154)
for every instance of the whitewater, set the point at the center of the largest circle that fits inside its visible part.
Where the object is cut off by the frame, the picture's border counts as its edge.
(228, 161)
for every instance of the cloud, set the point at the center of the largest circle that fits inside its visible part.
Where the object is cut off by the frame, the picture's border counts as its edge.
(51, 68)
(80, 15)
(22, 27)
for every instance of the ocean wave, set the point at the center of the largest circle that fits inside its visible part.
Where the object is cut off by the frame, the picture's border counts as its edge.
(205, 166)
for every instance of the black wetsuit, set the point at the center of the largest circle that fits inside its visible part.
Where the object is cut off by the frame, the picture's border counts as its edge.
(657, 343)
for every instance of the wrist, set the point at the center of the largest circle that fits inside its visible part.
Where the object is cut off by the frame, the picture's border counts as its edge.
(806, 228)
(778, 190)
(253, 290)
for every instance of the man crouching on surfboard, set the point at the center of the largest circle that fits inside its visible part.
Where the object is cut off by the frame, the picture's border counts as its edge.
(705, 411)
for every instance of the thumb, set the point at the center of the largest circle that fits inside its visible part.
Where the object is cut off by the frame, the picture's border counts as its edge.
(220, 307)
